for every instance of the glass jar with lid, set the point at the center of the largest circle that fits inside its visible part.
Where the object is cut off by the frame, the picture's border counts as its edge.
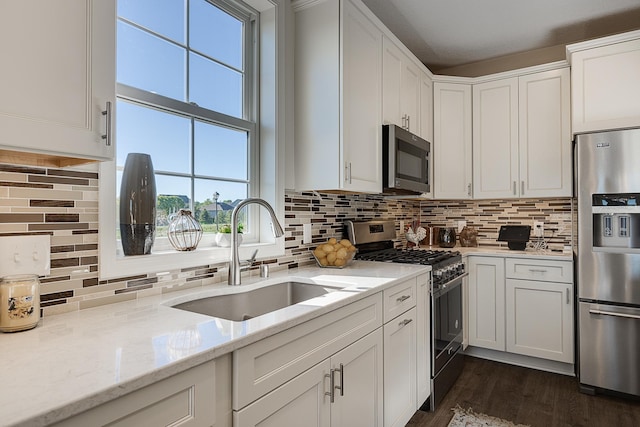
(19, 302)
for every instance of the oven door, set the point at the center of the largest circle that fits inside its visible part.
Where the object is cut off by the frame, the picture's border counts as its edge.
(446, 322)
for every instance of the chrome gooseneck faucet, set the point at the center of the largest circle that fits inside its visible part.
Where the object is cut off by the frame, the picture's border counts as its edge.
(234, 261)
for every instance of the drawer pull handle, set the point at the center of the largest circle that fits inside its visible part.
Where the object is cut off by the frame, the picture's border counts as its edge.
(567, 292)
(403, 298)
(405, 322)
(537, 270)
(341, 386)
(331, 386)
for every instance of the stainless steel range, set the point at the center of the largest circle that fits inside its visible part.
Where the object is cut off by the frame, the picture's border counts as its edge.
(374, 240)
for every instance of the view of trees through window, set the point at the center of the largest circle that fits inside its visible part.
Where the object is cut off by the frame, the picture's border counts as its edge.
(212, 215)
(184, 97)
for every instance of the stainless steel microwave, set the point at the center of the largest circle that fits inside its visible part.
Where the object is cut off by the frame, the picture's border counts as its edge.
(406, 162)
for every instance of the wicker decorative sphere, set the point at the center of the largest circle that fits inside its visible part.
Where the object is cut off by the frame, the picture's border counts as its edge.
(184, 231)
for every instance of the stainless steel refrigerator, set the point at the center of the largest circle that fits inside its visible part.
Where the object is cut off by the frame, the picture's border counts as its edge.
(608, 260)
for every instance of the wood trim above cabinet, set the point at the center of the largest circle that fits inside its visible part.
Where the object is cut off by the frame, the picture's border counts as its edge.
(40, 159)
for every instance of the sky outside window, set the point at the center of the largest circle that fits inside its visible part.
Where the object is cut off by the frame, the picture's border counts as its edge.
(190, 51)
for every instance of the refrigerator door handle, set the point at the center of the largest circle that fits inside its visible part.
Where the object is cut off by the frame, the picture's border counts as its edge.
(612, 313)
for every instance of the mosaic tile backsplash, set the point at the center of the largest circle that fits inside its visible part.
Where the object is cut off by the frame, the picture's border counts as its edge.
(64, 204)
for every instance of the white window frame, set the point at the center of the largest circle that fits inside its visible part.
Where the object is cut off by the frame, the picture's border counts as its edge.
(272, 67)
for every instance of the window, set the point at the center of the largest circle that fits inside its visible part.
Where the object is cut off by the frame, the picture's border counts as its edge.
(190, 89)
(186, 97)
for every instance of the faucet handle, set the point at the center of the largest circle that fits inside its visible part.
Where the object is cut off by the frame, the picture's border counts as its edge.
(253, 257)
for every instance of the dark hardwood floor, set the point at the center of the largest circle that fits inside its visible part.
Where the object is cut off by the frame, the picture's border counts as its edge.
(528, 396)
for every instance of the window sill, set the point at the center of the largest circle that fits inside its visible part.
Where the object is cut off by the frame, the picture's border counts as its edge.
(121, 266)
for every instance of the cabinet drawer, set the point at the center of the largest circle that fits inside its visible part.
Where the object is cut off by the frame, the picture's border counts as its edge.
(541, 270)
(264, 365)
(399, 299)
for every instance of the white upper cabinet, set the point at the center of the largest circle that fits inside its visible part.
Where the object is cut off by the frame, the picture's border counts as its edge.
(495, 139)
(338, 97)
(605, 82)
(400, 88)
(545, 142)
(451, 148)
(522, 136)
(407, 92)
(426, 107)
(57, 78)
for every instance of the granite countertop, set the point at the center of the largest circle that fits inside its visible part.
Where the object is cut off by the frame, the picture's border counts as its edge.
(75, 361)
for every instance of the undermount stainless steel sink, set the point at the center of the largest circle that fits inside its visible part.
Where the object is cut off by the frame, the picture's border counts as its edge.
(246, 305)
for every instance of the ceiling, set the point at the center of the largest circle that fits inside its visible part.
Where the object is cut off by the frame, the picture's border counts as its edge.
(450, 33)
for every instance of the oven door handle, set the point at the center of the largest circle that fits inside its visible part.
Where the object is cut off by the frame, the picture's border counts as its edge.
(451, 284)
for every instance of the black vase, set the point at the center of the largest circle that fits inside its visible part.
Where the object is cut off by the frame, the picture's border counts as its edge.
(138, 205)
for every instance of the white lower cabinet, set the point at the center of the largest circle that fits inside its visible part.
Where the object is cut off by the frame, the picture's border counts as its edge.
(400, 369)
(344, 390)
(423, 341)
(540, 319)
(198, 397)
(539, 308)
(486, 302)
(522, 306)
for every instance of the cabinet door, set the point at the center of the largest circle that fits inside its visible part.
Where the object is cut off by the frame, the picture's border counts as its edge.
(452, 141)
(539, 319)
(495, 139)
(423, 342)
(358, 371)
(362, 102)
(410, 95)
(486, 302)
(302, 398)
(392, 63)
(426, 107)
(400, 369)
(545, 134)
(198, 397)
(58, 75)
(401, 82)
(606, 87)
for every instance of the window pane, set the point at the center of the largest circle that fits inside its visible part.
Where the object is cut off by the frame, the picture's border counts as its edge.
(214, 86)
(215, 33)
(166, 137)
(165, 17)
(150, 63)
(220, 152)
(173, 195)
(229, 193)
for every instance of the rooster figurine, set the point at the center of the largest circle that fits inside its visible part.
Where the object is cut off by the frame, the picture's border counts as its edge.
(415, 234)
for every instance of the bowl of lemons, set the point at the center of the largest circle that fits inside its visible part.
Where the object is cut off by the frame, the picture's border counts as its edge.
(334, 253)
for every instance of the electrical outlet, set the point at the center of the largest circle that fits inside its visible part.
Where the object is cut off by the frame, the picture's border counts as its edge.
(538, 229)
(306, 233)
(461, 224)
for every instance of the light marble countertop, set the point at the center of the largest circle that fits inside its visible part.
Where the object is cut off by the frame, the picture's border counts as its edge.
(75, 361)
(505, 252)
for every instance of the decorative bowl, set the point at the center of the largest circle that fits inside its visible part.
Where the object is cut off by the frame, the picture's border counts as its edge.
(340, 261)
